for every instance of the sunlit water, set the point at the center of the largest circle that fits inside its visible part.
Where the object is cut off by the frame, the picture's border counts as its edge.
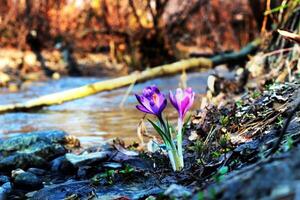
(92, 119)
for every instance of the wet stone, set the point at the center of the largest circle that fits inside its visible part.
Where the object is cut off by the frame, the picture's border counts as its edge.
(23, 142)
(62, 165)
(37, 171)
(45, 150)
(4, 179)
(75, 189)
(21, 160)
(175, 191)
(5, 189)
(16, 172)
(88, 158)
(131, 190)
(112, 165)
(133, 161)
(86, 172)
(28, 181)
(33, 149)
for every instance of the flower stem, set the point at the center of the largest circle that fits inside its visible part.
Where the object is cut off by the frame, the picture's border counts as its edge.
(179, 142)
(174, 159)
(173, 153)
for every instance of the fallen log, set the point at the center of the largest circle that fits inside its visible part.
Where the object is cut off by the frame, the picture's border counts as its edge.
(234, 58)
(90, 89)
(107, 85)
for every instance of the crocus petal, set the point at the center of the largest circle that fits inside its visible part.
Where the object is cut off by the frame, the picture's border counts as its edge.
(155, 89)
(188, 104)
(173, 100)
(147, 92)
(161, 98)
(163, 105)
(143, 109)
(188, 90)
(184, 106)
(182, 100)
(159, 104)
(179, 95)
(139, 98)
(144, 103)
(150, 90)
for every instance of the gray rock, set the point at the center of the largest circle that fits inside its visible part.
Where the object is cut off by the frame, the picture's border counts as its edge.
(4, 179)
(21, 160)
(62, 165)
(28, 181)
(134, 161)
(134, 189)
(87, 158)
(3, 194)
(45, 150)
(78, 189)
(16, 172)
(138, 189)
(7, 187)
(277, 177)
(24, 141)
(4, 190)
(37, 171)
(175, 191)
(33, 149)
(84, 171)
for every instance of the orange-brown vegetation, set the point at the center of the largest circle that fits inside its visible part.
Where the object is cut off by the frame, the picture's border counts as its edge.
(147, 32)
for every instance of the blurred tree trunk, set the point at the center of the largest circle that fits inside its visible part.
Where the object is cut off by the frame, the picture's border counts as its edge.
(258, 7)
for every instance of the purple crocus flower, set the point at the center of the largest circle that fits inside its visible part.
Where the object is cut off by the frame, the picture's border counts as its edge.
(182, 101)
(152, 101)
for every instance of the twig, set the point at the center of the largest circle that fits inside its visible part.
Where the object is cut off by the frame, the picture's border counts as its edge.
(264, 25)
(277, 52)
(130, 88)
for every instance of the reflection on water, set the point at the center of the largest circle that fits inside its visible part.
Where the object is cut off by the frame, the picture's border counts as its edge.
(92, 118)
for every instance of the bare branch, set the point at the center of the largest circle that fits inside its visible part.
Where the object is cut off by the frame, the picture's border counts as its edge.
(131, 4)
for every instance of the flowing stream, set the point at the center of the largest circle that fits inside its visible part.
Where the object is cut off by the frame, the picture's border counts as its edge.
(92, 119)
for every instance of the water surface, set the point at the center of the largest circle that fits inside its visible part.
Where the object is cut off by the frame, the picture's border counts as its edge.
(94, 118)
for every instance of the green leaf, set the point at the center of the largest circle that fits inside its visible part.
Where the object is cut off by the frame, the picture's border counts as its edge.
(170, 130)
(277, 9)
(186, 123)
(165, 138)
(224, 120)
(223, 170)
(187, 120)
(128, 169)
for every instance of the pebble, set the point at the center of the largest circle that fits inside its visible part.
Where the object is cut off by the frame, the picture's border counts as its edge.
(28, 181)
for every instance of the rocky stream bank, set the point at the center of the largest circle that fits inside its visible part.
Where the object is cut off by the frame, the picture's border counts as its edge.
(226, 158)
